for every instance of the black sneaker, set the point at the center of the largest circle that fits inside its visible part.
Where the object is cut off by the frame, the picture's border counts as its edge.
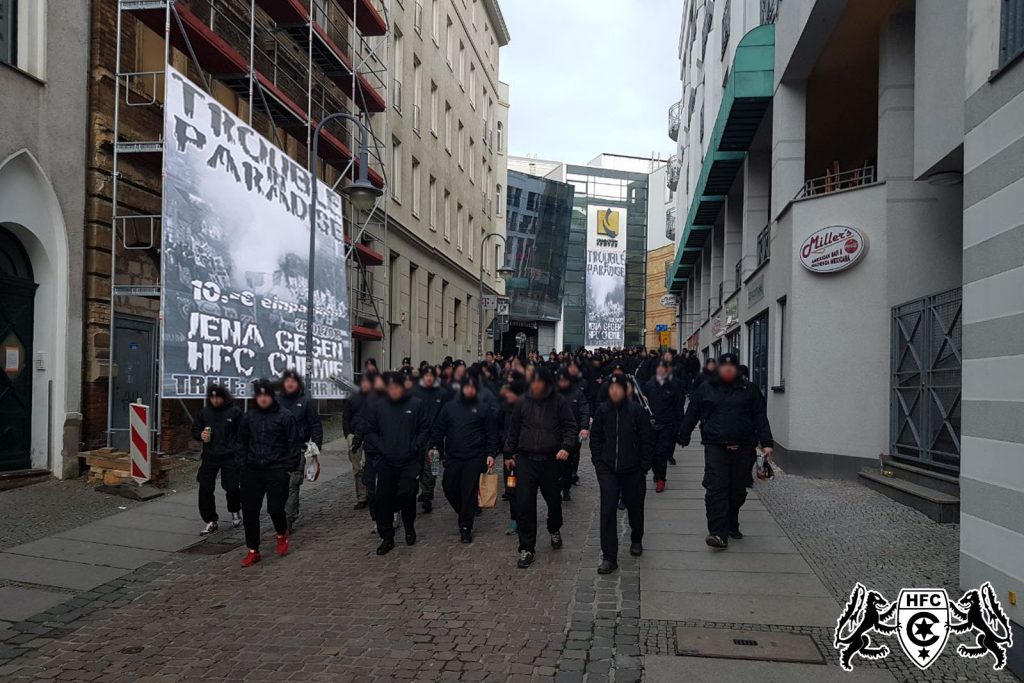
(607, 567)
(465, 535)
(566, 496)
(716, 541)
(636, 549)
(525, 559)
(386, 546)
(427, 506)
(410, 536)
(738, 535)
(556, 540)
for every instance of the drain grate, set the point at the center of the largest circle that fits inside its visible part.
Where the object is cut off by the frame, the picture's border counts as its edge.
(769, 646)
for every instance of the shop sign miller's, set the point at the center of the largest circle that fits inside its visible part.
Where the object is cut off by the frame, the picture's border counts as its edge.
(832, 249)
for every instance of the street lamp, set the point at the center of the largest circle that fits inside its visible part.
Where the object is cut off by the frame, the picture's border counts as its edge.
(502, 272)
(361, 192)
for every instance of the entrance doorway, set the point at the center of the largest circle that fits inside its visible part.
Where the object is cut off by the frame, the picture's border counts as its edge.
(135, 360)
(17, 304)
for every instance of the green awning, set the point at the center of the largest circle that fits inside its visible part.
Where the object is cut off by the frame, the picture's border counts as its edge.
(747, 96)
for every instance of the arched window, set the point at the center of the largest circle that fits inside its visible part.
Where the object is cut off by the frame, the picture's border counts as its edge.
(14, 261)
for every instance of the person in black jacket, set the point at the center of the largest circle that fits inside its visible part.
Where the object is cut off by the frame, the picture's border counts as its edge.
(541, 433)
(397, 430)
(293, 398)
(667, 401)
(351, 413)
(434, 397)
(573, 393)
(733, 420)
(217, 427)
(466, 433)
(709, 371)
(268, 447)
(621, 449)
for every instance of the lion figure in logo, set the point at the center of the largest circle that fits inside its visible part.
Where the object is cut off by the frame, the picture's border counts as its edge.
(866, 612)
(980, 611)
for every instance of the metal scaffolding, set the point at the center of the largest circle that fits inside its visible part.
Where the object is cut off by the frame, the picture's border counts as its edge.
(288, 64)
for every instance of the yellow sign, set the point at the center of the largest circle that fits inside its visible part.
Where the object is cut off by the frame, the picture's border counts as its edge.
(665, 339)
(608, 224)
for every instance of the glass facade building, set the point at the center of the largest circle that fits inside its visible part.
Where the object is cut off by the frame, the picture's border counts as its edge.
(605, 187)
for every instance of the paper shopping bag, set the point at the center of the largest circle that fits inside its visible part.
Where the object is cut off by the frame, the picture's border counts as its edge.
(488, 493)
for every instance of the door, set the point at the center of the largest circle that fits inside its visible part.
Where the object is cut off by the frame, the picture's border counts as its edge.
(759, 352)
(17, 300)
(136, 370)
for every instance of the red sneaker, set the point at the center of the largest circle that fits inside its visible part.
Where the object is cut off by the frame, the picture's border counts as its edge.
(659, 486)
(282, 545)
(251, 558)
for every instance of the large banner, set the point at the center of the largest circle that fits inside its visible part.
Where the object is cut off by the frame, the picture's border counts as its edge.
(606, 277)
(236, 257)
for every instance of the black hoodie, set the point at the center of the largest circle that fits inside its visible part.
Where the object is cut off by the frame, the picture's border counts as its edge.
(307, 417)
(540, 427)
(396, 431)
(465, 430)
(621, 437)
(224, 423)
(268, 439)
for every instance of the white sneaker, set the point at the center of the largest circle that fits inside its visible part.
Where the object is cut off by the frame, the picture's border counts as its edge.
(236, 519)
(208, 529)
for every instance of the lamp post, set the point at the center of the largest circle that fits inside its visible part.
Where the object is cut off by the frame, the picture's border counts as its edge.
(504, 273)
(361, 192)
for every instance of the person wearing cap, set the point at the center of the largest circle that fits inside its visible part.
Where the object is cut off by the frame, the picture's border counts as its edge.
(397, 430)
(667, 400)
(434, 397)
(621, 448)
(706, 373)
(351, 413)
(542, 431)
(573, 393)
(615, 369)
(465, 432)
(268, 447)
(292, 397)
(733, 421)
(217, 429)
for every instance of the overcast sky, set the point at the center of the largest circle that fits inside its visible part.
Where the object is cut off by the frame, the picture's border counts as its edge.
(591, 76)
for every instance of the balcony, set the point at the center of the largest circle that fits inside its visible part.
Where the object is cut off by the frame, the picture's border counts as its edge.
(675, 120)
(674, 169)
(670, 223)
(837, 181)
(764, 245)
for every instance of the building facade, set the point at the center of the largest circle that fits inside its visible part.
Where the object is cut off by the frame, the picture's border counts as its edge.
(42, 209)
(847, 210)
(539, 211)
(660, 328)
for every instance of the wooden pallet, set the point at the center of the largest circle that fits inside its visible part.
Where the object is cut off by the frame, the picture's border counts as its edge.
(113, 467)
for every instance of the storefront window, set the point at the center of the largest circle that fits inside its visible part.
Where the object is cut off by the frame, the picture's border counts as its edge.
(758, 328)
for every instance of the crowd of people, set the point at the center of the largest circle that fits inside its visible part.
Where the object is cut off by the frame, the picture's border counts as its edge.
(407, 426)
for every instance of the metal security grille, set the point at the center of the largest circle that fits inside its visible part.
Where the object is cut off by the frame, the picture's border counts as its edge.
(926, 380)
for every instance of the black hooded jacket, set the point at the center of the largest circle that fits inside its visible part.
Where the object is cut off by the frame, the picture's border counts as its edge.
(465, 430)
(578, 402)
(732, 414)
(621, 438)
(396, 432)
(224, 423)
(540, 427)
(667, 401)
(268, 439)
(307, 417)
(434, 399)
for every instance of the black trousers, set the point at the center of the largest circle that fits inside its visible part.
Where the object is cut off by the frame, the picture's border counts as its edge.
(460, 482)
(727, 474)
(207, 478)
(664, 446)
(632, 488)
(257, 484)
(397, 486)
(567, 468)
(533, 476)
(370, 482)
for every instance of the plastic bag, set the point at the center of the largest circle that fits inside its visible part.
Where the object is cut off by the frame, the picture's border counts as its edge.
(312, 455)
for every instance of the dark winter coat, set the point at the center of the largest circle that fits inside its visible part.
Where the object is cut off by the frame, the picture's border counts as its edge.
(667, 401)
(729, 414)
(621, 437)
(268, 439)
(465, 430)
(434, 399)
(540, 427)
(579, 404)
(351, 411)
(396, 431)
(307, 417)
(224, 423)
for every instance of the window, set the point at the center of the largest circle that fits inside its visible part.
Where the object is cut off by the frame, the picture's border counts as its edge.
(732, 342)
(462, 145)
(470, 234)
(23, 35)
(417, 17)
(758, 328)
(472, 162)
(449, 31)
(501, 137)
(456, 312)
(396, 99)
(462, 65)
(1011, 31)
(432, 198)
(448, 127)
(435, 21)
(780, 346)
(417, 92)
(396, 170)
(444, 305)
(472, 85)
(498, 196)
(459, 234)
(447, 234)
(472, 12)
(433, 108)
(414, 314)
(415, 187)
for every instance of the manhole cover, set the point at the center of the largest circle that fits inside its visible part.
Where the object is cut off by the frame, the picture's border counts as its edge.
(208, 548)
(761, 645)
